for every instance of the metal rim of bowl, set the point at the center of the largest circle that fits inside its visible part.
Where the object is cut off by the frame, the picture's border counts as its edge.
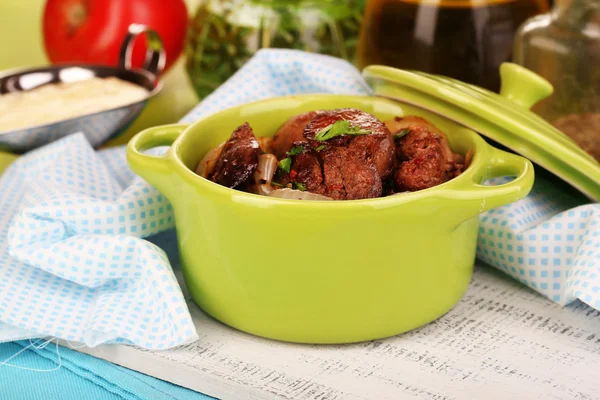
(152, 69)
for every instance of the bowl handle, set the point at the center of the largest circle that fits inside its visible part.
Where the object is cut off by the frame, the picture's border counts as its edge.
(498, 164)
(156, 169)
(155, 53)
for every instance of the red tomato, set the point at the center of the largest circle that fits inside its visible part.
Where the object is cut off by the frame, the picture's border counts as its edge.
(92, 31)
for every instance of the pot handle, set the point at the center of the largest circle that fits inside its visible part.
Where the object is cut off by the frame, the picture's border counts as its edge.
(155, 54)
(498, 164)
(156, 169)
(522, 86)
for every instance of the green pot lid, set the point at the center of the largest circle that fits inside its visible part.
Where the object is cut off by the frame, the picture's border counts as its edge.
(504, 118)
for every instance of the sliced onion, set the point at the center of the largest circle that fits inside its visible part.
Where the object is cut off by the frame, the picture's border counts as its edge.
(263, 176)
(208, 162)
(294, 194)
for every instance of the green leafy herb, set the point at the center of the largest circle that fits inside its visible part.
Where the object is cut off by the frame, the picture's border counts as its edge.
(401, 134)
(339, 128)
(299, 186)
(285, 164)
(294, 151)
(321, 147)
(218, 45)
(277, 184)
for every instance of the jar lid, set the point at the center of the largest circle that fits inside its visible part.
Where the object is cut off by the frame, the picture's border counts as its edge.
(504, 118)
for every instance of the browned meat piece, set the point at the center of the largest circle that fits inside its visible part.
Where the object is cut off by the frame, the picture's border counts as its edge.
(425, 156)
(424, 171)
(344, 167)
(238, 160)
(339, 172)
(290, 132)
(355, 116)
(454, 162)
(454, 169)
(378, 145)
(417, 141)
(349, 174)
(379, 150)
(306, 169)
(333, 171)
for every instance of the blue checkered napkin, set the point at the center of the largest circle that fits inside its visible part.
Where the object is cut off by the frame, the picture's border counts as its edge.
(74, 265)
(550, 241)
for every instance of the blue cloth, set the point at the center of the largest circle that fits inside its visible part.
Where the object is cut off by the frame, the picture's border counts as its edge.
(79, 377)
(74, 262)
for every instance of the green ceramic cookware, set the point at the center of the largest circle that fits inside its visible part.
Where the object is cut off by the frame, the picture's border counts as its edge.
(505, 118)
(324, 271)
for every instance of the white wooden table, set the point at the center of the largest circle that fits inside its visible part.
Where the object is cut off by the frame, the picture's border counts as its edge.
(502, 341)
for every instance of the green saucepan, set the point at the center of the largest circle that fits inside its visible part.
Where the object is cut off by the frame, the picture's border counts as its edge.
(324, 271)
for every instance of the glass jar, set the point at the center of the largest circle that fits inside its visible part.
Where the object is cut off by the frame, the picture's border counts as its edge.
(563, 46)
(224, 34)
(463, 39)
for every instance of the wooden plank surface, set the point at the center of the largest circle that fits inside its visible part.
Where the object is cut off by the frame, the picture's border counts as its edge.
(502, 341)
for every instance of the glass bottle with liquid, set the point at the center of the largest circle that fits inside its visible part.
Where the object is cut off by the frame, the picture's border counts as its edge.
(563, 46)
(463, 39)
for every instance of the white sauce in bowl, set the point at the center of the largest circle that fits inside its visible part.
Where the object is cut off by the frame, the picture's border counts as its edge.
(59, 101)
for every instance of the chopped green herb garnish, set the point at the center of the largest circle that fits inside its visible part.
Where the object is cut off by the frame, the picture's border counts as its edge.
(277, 184)
(299, 186)
(285, 164)
(401, 134)
(294, 151)
(321, 147)
(339, 128)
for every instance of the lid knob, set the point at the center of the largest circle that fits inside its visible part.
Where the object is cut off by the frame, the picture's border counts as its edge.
(523, 86)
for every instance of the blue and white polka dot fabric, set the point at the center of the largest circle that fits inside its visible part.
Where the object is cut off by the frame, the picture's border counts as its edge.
(550, 241)
(74, 264)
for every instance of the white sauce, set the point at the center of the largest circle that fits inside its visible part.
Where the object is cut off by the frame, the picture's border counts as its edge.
(59, 101)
